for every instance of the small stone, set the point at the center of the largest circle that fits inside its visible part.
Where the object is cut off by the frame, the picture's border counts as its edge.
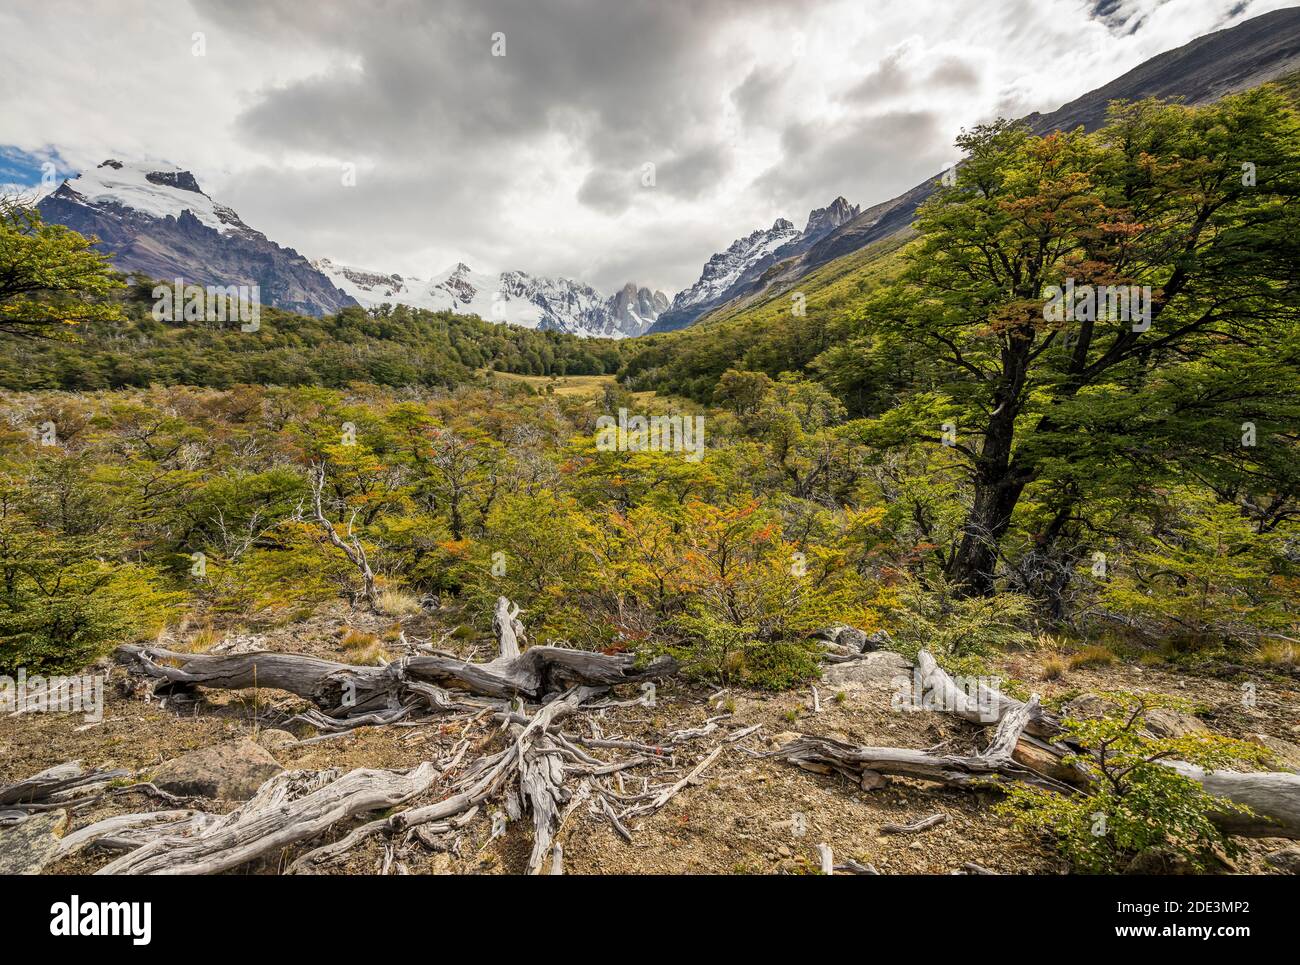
(1159, 721)
(1163, 722)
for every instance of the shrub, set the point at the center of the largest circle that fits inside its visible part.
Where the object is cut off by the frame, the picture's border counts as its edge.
(1279, 653)
(369, 656)
(728, 653)
(355, 639)
(1054, 668)
(1134, 802)
(950, 625)
(63, 625)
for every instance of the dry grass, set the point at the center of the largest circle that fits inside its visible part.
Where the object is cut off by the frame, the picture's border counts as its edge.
(363, 649)
(1096, 655)
(566, 385)
(370, 656)
(399, 603)
(1054, 668)
(204, 639)
(1279, 653)
(354, 639)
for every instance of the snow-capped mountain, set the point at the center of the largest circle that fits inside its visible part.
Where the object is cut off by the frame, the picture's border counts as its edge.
(724, 269)
(516, 297)
(730, 271)
(155, 219)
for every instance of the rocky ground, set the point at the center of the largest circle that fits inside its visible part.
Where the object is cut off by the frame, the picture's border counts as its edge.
(748, 814)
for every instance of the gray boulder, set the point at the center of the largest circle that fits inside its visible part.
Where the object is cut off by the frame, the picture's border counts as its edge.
(232, 771)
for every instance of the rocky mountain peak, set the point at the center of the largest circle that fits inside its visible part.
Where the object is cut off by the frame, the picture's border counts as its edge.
(822, 221)
(181, 180)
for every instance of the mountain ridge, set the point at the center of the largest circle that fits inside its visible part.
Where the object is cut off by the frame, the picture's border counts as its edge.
(512, 297)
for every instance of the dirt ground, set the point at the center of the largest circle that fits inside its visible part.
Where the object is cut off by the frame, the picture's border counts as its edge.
(748, 813)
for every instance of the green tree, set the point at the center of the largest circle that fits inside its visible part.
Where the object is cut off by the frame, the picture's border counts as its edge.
(1158, 199)
(50, 276)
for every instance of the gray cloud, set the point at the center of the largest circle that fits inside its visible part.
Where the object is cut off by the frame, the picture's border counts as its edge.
(872, 158)
(749, 109)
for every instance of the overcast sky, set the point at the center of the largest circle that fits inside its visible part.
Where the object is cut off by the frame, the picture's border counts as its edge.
(749, 110)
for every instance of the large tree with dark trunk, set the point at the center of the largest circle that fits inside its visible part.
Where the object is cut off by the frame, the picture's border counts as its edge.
(1198, 205)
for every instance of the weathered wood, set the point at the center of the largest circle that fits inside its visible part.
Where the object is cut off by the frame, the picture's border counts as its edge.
(52, 785)
(857, 868)
(341, 690)
(509, 631)
(1274, 798)
(290, 807)
(993, 767)
(485, 778)
(826, 859)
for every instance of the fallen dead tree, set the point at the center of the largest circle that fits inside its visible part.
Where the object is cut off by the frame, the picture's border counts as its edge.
(866, 766)
(290, 807)
(542, 771)
(534, 774)
(343, 691)
(1026, 732)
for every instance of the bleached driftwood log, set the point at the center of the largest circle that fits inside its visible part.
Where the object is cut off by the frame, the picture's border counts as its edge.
(290, 807)
(509, 631)
(53, 788)
(1273, 798)
(866, 765)
(527, 756)
(531, 771)
(344, 691)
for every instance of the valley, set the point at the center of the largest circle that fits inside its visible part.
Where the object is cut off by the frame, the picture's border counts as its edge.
(950, 534)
